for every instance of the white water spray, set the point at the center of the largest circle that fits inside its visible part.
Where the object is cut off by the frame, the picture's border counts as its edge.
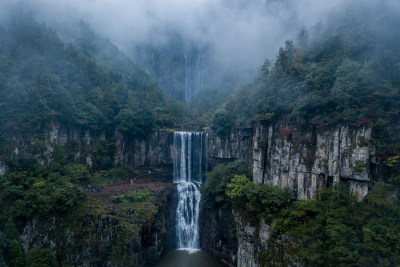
(190, 161)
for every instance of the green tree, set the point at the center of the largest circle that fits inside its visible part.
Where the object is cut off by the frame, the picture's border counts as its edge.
(40, 257)
(16, 256)
(11, 230)
(4, 242)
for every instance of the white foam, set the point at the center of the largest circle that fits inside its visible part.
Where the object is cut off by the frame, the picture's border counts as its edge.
(190, 250)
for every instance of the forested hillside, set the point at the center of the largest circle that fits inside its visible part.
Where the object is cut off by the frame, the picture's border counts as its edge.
(44, 81)
(76, 81)
(344, 71)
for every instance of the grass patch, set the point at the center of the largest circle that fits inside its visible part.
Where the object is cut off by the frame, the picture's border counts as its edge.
(133, 197)
(111, 176)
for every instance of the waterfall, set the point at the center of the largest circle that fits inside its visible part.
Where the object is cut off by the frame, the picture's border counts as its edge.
(194, 71)
(190, 163)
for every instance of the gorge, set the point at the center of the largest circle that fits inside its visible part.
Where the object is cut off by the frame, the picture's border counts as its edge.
(163, 152)
(303, 160)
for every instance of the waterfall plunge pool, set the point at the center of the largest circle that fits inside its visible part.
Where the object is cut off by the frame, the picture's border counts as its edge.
(190, 170)
(189, 258)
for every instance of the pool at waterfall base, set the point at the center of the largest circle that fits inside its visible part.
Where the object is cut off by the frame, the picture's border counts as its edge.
(189, 258)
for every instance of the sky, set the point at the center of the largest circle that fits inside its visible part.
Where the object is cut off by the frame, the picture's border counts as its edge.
(240, 33)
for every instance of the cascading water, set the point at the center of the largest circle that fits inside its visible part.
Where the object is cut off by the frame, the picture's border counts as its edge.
(190, 165)
(194, 68)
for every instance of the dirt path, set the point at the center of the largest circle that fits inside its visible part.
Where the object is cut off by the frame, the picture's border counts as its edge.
(153, 181)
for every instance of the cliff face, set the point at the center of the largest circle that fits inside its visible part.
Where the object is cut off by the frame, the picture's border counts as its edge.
(238, 145)
(219, 235)
(254, 248)
(102, 233)
(155, 152)
(247, 236)
(281, 154)
(99, 232)
(92, 149)
(250, 240)
(302, 159)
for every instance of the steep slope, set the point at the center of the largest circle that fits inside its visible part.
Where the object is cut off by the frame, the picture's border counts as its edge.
(343, 72)
(319, 129)
(44, 81)
(70, 118)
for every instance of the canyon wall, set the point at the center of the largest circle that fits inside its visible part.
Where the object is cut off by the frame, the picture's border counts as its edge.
(301, 158)
(281, 154)
(102, 233)
(98, 150)
(295, 156)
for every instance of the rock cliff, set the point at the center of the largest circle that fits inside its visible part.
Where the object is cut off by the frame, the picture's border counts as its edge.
(238, 145)
(282, 154)
(301, 158)
(103, 233)
(219, 235)
(92, 149)
(290, 155)
(306, 159)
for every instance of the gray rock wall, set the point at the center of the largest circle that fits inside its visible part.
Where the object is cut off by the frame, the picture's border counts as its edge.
(253, 240)
(218, 235)
(156, 151)
(104, 234)
(247, 236)
(2, 169)
(238, 145)
(303, 159)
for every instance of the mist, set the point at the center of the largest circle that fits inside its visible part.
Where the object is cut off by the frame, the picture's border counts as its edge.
(225, 38)
(240, 33)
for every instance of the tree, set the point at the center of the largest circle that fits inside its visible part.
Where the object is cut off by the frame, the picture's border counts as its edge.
(40, 257)
(4, 242)
(11, 230)
(16, 257)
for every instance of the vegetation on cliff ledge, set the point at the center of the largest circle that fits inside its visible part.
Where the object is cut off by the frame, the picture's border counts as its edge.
(335, 229)
(51, 201)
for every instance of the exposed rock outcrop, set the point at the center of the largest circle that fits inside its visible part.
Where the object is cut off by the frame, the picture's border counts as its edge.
(301, 158)
(254, 248)
(101, 233)
(247, 236)
(219, 235)
(2, 168)
(306, 159)
(82, 146)
(289, 155)
(238, 145)
(154, 152)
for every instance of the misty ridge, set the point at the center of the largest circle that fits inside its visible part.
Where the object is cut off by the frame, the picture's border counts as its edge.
(205, 43)
(205, 46)
(221, 38)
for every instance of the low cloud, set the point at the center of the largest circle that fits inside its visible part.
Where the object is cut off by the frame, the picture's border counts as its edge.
(240, 32)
